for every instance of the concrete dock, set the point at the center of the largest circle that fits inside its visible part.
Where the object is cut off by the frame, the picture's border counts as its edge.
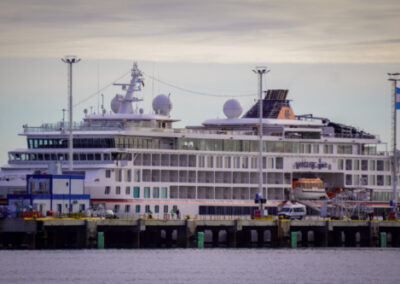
(153, 233)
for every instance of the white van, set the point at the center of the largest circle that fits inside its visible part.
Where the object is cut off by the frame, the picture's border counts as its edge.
(292, 211)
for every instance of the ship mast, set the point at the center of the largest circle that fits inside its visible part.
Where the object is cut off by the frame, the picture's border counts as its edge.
(134, 85)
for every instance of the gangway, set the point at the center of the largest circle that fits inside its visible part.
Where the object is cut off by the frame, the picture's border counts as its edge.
(349, 203)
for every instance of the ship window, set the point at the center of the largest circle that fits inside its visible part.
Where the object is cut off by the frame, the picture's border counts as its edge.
(372, 165)
(279, 163)
(116, 208)
(165, 208)
(47, 157)
(245, 162)
(348, 179)
(270, 163)
(340, 164)
(364, 180)
(97, 156)
(107, 190)
(156, 208)
(118, 175)
(127, 208)
(164, 192)
(127, 190)
(379, 180)
(349, 165)
(387, 166)
(236, 163)
(82, 157)
(118, 190)
(379, 165)
(147, 192)
(147, 209)
(136, 192)
(128, 176)
(218, 162)
(76, 157)
(356, 165)
(315, 148)
(137, 208)
(372, 180)
(344, 149)
(210, 161)
(90, 157)
(156, 192)
(106, 157)
(108, 173)
(254, 162)
(328, 149)
(356, 180)
(227, 162)
(364, 165)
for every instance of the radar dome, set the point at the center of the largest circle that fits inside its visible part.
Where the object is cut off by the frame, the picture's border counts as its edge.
(232, 108)
(162, 105)
(116, 103)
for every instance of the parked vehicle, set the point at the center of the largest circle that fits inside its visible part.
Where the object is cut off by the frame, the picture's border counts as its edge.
(292, 211)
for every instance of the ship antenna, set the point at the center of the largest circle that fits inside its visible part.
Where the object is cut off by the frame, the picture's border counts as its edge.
(63, 119)
(260, 71)
(70, 59)
(103, 111)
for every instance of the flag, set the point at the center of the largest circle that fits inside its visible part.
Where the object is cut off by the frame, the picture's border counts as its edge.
(397, 98)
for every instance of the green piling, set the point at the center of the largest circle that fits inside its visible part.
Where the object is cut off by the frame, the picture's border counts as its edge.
(100, 240)
(383, 239)
(293, 239)
(200, 239)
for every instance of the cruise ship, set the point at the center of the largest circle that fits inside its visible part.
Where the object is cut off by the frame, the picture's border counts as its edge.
(137, 163)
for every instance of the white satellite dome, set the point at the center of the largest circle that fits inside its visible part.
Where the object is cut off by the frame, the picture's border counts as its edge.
(162, 105)
(232, 108)
(116, 103)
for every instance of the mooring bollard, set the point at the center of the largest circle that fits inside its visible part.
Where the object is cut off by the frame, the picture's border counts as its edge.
(383, 239)
(200, 240)
(293, 239)
(100, 240)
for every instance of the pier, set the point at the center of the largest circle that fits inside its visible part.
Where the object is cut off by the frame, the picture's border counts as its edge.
(153, 233)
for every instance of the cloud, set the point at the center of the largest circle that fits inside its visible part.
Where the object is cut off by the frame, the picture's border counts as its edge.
(210, 31)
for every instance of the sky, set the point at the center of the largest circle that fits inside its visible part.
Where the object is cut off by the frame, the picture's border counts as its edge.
(333, 56)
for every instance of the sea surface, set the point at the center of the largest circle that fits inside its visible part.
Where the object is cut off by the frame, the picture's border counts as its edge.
(342, 265)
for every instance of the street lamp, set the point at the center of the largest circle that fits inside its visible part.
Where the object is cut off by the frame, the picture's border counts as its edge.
(394, 77)
(260, 71)
(70, 59)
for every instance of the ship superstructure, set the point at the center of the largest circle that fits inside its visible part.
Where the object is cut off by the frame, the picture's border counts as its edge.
(137, 163)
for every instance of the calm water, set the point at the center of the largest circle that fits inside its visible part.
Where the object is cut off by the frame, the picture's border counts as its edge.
(201, 266)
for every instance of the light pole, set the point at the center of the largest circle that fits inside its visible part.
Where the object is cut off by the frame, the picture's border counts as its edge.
(70, 59)
(394, 77)
(260, 71)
